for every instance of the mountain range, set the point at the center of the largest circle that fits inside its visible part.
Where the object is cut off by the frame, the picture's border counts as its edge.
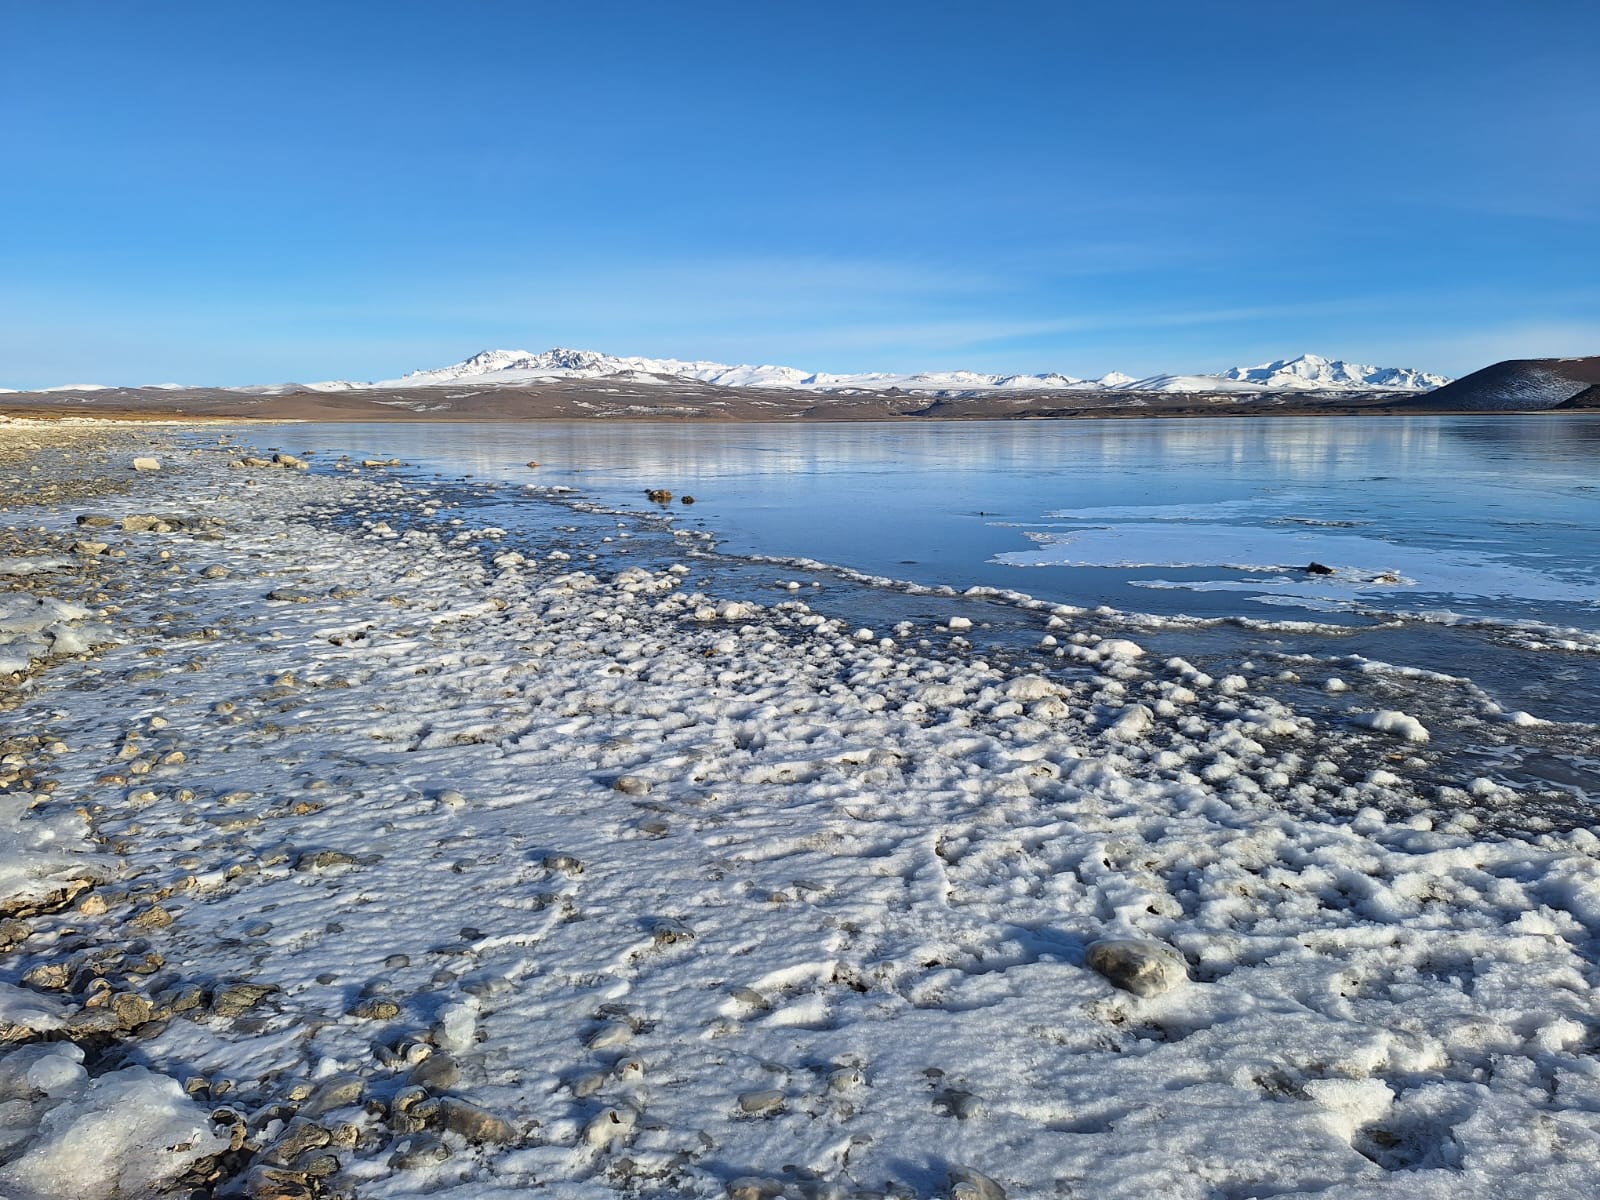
(1306, 373)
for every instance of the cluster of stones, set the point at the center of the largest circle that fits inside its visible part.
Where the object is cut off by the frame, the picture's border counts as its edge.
(287, 462)
(201, 527)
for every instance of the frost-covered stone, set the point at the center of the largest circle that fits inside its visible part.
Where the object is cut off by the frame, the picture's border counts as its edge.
(418, 1152)
(966, 1183)
(610, 1125)
(761, 1102)
(613, 1033)
(1400, 724)
(338, 1092)
(1137, 965)
(475, 1124)
(127, 1133)
(437, 1072)
(25, 1014)
(237, 999)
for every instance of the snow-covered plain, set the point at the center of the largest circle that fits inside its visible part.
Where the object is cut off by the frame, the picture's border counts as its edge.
(440, 865)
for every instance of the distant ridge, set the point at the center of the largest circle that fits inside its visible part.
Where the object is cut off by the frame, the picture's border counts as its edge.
(1310, 374)
(1306, 373)
(1520, 385)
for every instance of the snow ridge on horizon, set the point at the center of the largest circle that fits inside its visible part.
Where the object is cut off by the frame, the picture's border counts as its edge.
(1306, 372)
(494, 368)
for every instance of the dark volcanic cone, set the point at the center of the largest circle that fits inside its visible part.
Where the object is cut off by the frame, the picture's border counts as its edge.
(1517, 385)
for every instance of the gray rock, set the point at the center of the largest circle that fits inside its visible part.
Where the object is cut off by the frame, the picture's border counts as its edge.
(761, 1103)
(613, 1033)
(846, 1079)
(959, 1103)
(438, 1072)
(754, 1187)
(277, 1183)
(300, 1136)
(240, 998)
(475, 1124)
(320, 1166)
(340, 1091)
(131, 1009)
(375, 1008)
(1138, 965)
(749, 996)
(968, 1184)
(418, 1151)
(670, 932)
(89, 1021)
(324, 860)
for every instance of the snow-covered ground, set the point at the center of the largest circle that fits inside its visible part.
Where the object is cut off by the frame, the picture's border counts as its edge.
(421, 863)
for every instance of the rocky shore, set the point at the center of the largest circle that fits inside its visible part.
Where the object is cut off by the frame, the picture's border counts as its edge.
(350, 847)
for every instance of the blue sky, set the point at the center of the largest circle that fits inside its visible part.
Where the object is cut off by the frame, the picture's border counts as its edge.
(248, 192)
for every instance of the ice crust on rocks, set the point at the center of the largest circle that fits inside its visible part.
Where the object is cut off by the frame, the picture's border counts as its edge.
(127, 1133)
(1400, 724)
(843, 942)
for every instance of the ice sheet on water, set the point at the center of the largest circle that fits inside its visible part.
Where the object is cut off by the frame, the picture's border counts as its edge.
(1361, 563)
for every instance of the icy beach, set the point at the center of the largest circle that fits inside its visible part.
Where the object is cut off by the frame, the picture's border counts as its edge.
(351, 846)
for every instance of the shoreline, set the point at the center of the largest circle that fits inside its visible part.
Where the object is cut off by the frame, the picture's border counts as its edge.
(707, 406)
(475, 866)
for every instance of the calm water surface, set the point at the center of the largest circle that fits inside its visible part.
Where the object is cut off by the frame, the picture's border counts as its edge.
(1492, 517)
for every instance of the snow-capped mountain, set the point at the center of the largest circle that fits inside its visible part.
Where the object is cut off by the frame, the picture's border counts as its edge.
(1313, 372)
(497, 368)
(1309, 372)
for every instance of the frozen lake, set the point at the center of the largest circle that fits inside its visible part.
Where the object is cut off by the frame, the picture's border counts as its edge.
(1485, 517)
(1466, 547)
